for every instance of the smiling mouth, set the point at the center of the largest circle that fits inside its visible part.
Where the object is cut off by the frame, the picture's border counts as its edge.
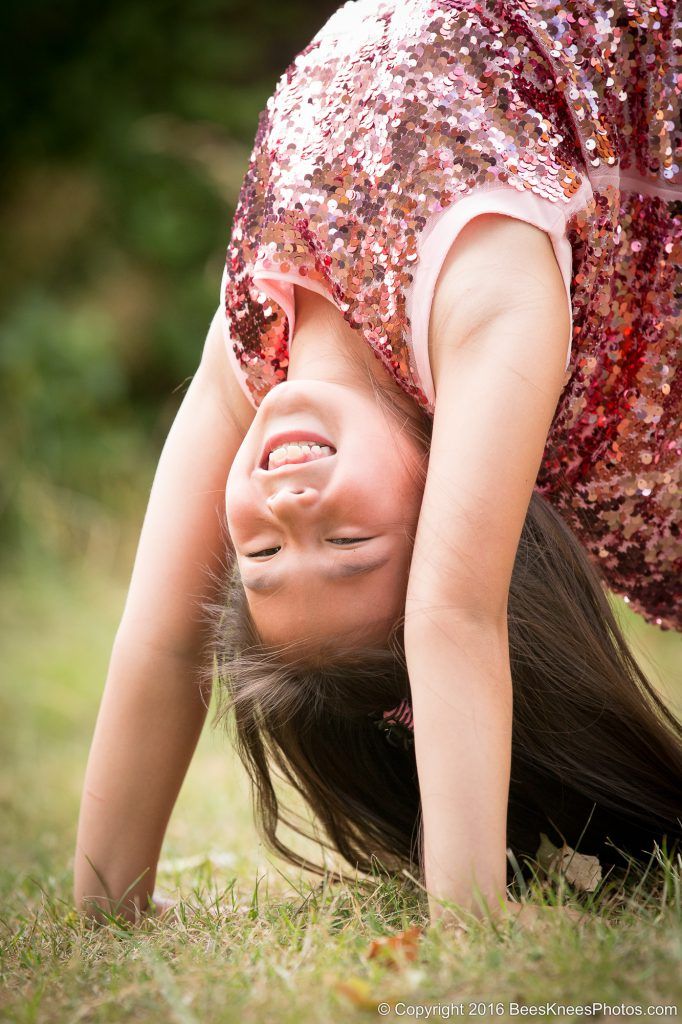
(294, 451)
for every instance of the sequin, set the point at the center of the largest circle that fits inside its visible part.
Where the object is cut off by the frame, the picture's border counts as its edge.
(398, 108)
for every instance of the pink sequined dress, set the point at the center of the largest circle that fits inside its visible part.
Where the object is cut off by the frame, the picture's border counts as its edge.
(402, 120)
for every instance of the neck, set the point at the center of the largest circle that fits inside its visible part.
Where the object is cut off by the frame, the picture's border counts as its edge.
(325, 347)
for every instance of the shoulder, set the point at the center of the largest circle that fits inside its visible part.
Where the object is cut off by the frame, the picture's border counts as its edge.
(498, 269)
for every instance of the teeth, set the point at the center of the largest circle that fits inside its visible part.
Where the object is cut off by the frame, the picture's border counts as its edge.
(297, 452)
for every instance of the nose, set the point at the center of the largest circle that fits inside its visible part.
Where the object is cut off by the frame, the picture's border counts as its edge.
(292, 502)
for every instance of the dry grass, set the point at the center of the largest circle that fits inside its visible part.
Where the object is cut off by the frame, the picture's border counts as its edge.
(250, 940)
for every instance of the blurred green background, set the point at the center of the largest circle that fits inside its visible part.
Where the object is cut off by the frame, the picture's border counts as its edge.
(126, 129)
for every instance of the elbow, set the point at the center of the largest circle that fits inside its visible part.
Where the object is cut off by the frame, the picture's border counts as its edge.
(472, 604)
(457, 641)
(443, 613)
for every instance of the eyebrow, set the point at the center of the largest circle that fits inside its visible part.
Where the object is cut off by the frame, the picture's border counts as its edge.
(270, 581)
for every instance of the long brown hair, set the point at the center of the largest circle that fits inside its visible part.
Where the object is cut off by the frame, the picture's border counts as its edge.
(596, 754)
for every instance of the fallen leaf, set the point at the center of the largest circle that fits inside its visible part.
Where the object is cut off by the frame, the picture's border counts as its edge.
(398, 948)
(547, 851)
(358, 991)
(533, 916)
(582, 870)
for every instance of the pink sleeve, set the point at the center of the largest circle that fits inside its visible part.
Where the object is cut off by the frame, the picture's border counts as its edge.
(443, 227)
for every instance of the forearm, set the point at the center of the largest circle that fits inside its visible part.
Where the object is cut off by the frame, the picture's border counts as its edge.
(462, 700)
(149, 722)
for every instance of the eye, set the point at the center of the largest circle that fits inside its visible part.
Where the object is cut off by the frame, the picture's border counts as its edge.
(348, 540)
(265, 551)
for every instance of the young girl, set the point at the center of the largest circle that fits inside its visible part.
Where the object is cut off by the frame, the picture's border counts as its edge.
(441, 386)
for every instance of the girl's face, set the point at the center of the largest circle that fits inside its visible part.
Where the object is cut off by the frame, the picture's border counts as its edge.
(324, 545)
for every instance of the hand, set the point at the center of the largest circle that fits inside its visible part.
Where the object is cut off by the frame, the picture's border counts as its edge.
(162, 907)
(532, 914)
(527, 915)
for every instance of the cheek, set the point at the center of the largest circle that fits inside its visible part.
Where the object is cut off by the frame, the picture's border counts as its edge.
(238, 506)
(408, 490)
(237, 486)
(395, 488)
(401, 466)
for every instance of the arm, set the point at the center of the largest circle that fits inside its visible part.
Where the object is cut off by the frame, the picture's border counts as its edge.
(499, 329)
(153, 706)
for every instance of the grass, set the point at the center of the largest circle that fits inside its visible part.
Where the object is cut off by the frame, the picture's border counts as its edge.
(251, 939)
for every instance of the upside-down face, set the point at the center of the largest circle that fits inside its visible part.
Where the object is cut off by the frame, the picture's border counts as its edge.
(322, 505)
